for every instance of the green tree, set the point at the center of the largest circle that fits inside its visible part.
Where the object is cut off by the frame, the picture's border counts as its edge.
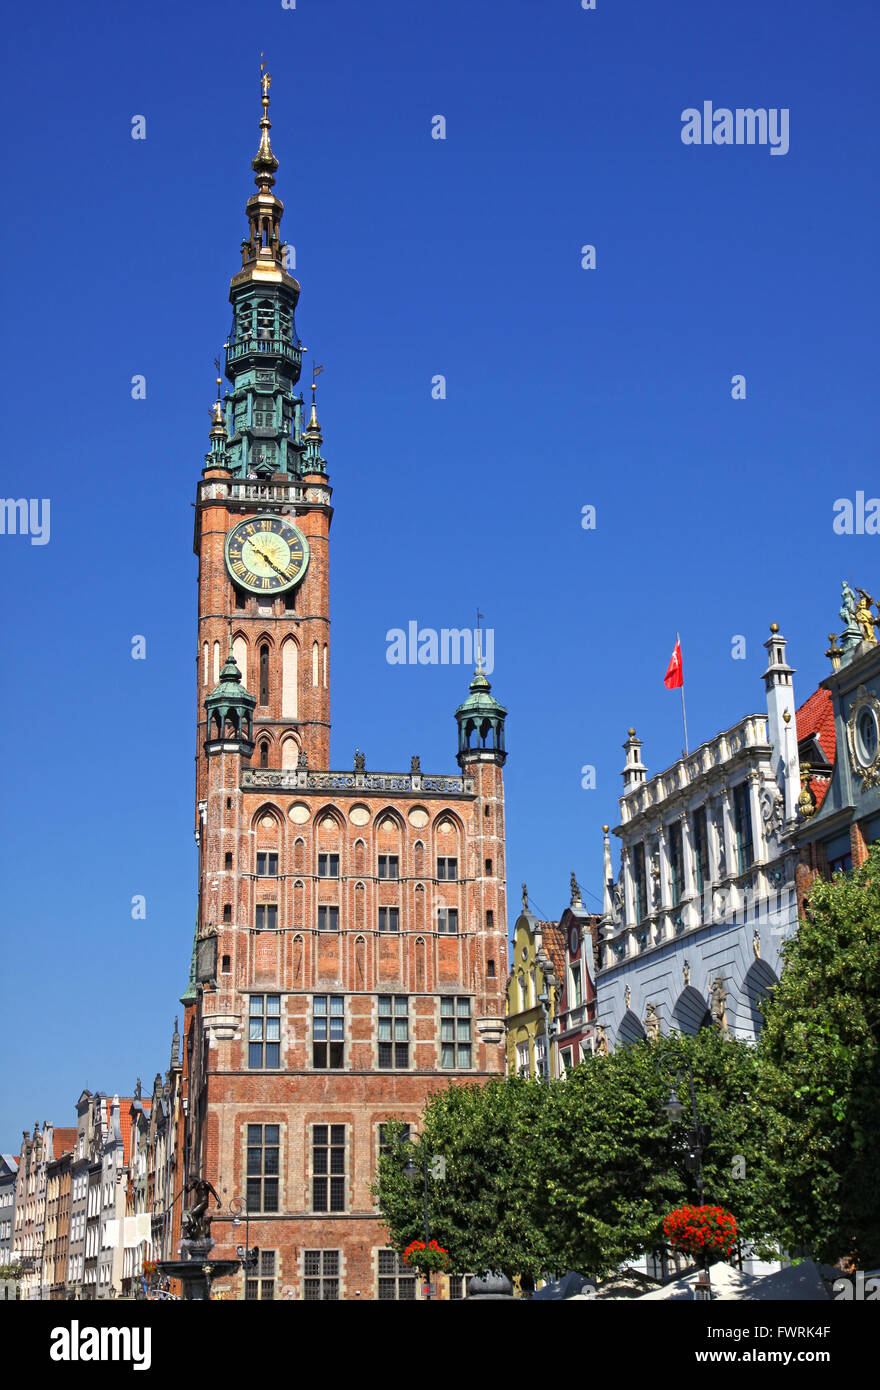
(579, 1174)
(820, 1072)
(611, 1165)
(484, 1210)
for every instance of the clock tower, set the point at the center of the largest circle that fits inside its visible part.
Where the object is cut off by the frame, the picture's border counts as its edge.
(351, 938)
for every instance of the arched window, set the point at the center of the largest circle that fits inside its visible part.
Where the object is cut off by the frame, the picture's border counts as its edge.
(240, 652)
(264, 674)
(264, 754)
(314, 663)
(205, 681)
(265, 312)
(216, 663)
(325, 665)
(289, 673)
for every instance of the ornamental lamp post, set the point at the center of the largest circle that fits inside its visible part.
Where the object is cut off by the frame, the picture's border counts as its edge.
(671, 1067)
(412, 1173)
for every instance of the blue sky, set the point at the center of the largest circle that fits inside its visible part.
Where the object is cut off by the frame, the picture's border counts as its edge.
(565, 388)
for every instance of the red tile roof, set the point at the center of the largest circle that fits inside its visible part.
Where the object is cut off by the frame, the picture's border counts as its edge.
(63, 1141)
(553, 938)
(816, 716)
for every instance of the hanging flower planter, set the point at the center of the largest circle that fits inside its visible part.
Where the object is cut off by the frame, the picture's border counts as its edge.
(426, 1258)
(701, 1231)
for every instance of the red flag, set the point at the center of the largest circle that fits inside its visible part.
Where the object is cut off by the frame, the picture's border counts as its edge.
(675, 671)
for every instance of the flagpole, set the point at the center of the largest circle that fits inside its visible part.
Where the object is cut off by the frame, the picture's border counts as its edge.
(683, 710)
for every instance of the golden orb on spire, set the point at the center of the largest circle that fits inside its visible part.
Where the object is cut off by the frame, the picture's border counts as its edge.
(774, 627)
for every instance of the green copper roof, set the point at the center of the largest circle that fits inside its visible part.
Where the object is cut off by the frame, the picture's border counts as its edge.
(480, 701)
(230, 691)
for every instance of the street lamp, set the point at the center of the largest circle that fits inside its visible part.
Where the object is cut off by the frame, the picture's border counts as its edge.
(548, 976)
(675, 1069)
(246, 1255)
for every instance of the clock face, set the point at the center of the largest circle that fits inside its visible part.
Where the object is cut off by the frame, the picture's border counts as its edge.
(266, 554)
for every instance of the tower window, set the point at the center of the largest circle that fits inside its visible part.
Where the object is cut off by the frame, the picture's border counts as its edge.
(490, 969)
(266, 916)
(264, 754)
(447, 868)
(328, 918)
(240, 598)
(267, 864)
(328, 866)
(264, 675)
(262, 1166)
(328, 1168)
(447, 920)
(227, 861)
(490, 920)
(393, 1030)
(488, 868)
(227, 912)
(389, 919)
(328, 1031)
(388, 866)
(226, 965)
(264, 1031)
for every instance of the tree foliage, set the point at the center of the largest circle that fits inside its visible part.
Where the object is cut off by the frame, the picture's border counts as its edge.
(820, 1072)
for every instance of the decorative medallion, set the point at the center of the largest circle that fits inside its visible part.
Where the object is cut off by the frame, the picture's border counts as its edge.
(863, 737)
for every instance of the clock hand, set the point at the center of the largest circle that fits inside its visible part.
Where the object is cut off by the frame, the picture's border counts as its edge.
(269, 561)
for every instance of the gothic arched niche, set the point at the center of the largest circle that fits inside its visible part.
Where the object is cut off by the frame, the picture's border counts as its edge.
(421, 973)
(360, 962)
(760, 979)
(630, 1030)
(691, 1012)
(298, 949)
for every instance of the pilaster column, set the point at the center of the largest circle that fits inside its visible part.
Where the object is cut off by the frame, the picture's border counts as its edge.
(663, 861)
(687, 851)
(629, 902)
(759, 844)
(727, 831)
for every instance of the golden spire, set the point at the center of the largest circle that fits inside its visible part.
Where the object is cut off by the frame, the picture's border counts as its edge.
(313, 429)
(264, 162)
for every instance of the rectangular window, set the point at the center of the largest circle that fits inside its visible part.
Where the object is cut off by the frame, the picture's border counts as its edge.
(396, 1281)
(522, 1058)
(267, 916)
(262, 1167)
(328, 918)
(321, 1276)
(641, 883)
(447, 868)
(577, 995)
(676, 862)
(328, 1168)
(488, 868)
(389, 919)
(264, 1031)
(328, 1031)
(388, 866)
(458, 1285)
(567, 1060)
(384, 1144)
(261, 1283)
(455, 1032)
(447, 920)
(701, 849)
(742, 823)
(328, 866)
(267, 865)
(393, 1030)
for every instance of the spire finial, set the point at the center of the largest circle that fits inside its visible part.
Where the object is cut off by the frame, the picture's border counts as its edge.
(264, 163)
(480, 617)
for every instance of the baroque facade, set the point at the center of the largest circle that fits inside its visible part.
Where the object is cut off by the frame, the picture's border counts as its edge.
(706, 892)
(350, 951)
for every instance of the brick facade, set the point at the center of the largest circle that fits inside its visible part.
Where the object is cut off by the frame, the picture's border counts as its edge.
(281, 838)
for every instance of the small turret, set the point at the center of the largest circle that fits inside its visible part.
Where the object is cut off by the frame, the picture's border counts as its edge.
(635, 772)
(480, 721)
(230, 710)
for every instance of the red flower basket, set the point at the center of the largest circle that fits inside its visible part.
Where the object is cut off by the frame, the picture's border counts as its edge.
(701, 1231)
(426, 1258)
